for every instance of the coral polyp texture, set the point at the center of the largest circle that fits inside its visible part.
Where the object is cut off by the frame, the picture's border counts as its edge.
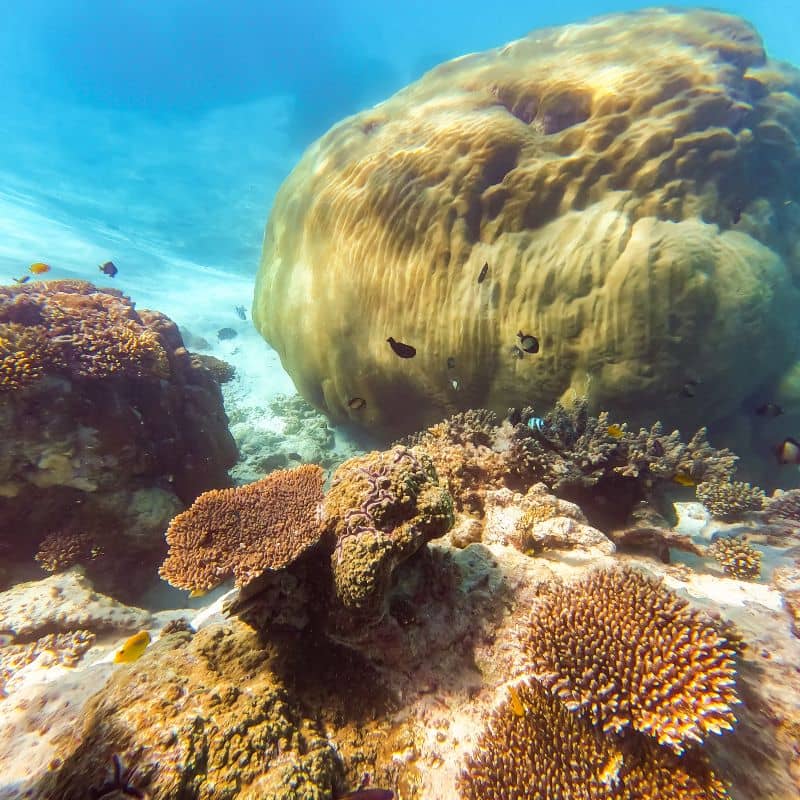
(245, 531)
(737, 558)
(730, 500)
(634, 655)
(619, 190)
(535, 748)
(381, 508)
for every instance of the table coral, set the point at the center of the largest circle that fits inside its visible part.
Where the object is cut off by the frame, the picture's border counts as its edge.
(634, 655)
(533, 747)
(245, 531)
(626, 188)
(381, 508)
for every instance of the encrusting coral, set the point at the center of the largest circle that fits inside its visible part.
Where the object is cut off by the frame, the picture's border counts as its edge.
(381, 508)
(622, 190)
(729, 500)
(533, 747)
(244, 531)
(632, 654)
(738, 558)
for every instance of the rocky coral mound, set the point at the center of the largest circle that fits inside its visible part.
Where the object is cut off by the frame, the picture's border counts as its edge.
(607, 207)
(108, 427)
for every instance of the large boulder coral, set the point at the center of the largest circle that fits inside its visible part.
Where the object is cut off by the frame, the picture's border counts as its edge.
(626, 191)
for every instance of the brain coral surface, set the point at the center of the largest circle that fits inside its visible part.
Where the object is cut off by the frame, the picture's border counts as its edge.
(625, 190)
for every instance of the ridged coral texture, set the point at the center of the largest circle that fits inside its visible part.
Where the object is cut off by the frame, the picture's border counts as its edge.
(632, 654)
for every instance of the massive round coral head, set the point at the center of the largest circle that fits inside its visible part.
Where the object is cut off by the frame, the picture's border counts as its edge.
(607, 208)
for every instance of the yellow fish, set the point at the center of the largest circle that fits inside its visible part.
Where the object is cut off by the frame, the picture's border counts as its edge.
(615, 431)
(39, 268)
(132, 648)
(198, 592)
(515, 702)
(682, 479)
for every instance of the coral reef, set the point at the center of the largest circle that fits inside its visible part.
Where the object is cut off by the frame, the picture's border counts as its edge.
(63, 549)
(730, 500)
(738, 558)
(626, 188)
(116, 409)
(202, 717)
(381, 508)
(221, 371)
(245, 531)
(633, 655)
(534, 747)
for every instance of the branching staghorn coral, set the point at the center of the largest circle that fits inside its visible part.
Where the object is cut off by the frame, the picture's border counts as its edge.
(245, 531)
(729, 500)
(737, 558)
(632, 654)
(533, 747)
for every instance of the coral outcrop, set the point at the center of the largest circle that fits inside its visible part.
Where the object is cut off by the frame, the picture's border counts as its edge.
(730, 500)
(633, 655)
(111, 406)
(738, 558)
(245, 531)
(623, 191)
(533, 747)
(381, 508)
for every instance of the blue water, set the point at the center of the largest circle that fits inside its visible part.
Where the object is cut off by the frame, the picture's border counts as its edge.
(156, 133)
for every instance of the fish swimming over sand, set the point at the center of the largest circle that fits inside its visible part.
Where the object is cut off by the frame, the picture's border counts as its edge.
(108, 268)
(132, 648)
(39, 268)
(240, 312)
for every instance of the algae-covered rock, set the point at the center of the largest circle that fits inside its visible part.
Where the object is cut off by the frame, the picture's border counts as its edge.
(623, 190)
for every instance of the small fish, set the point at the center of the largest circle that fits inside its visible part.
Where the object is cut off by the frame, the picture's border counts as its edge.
(39, 268)
(7, 637)
(482, 273)
(108, 268)
(615, 431)
(769, 410)
(536, 424)
(356, 403)
(451, 363)
(530, 344)
(23, 279)
(515, 702)
(368, 794)
(401, 349)
(224, 334)
(240, 312)
(516, 352)
(689, 389)
(788, 451)
(682, 479)
(198, 593)
(455, 384)
(658, 448)
(132, 648)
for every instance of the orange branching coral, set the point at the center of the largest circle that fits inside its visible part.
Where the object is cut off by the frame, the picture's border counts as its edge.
(633, 654)
(246, 530)
(535, 748)
(71, 327)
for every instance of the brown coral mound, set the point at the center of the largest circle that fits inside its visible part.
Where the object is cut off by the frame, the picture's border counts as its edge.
(535, 748)
(245, 531)
(729, 500)
(634, 655)
(73, 328)
(63, 549)
(623, 180)
(738, 558)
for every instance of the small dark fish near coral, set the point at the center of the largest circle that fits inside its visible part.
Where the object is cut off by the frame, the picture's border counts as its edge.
(451, 363)
(368, 794)
(108, 268)
(23, 279)
(240, 312)
(530, 344)
(401, 349)
(788, 451)
(483, 272)
(536, 424)
(689, 389)
(356, 403)
(120, 784)
(223, 334)
(769, 410)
